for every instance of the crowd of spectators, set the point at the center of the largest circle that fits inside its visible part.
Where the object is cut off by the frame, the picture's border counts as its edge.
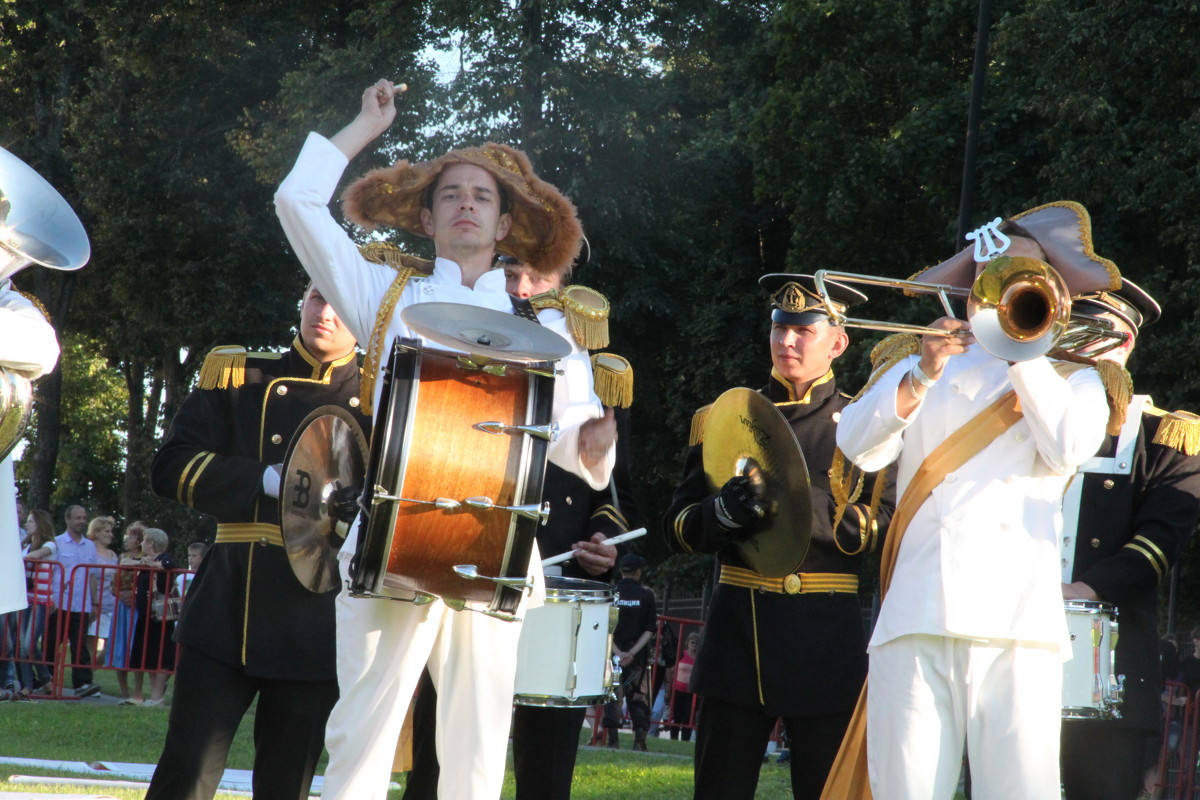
(109, 600)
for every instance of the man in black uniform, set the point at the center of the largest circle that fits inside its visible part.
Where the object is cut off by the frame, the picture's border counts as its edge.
(1121, 533)
(248, 626)
(791, 647)
(637, 617)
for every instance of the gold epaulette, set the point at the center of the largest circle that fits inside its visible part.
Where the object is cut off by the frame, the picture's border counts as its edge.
(224, 367)
(887, 353)
(406, 266)
(699, 422)
(1118, 386)
(1179, 430)
(613, 379)
(586, 311)
(390, 255)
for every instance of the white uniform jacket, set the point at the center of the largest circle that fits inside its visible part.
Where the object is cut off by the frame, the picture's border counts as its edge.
(980, 558)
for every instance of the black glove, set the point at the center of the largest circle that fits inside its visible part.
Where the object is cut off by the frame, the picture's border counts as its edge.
(738, 508)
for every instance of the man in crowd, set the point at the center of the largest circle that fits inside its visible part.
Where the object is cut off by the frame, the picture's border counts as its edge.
(1126, 518)
(790, 647)
(77, 597)
(968, 647)
(249, 628)
(472, 202)
(637, 618)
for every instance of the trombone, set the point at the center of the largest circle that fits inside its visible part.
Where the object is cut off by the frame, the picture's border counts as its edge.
(1018, 309)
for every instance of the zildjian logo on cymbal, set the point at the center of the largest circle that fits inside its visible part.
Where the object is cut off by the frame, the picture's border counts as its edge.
(761, 437)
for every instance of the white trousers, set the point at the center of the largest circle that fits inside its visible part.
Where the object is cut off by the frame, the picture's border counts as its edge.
(927, 695)
(382, 646)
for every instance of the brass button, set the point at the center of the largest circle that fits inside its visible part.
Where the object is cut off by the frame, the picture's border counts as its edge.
(276, 439)
(280, 390)
(1109, 483)
(568, 500)
(791, 583)
(354, 402)
(263, 542)
(1095, 542)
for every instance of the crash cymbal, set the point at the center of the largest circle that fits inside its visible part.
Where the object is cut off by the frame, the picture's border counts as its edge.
(746, 435)
(321, 481)
(484, 332)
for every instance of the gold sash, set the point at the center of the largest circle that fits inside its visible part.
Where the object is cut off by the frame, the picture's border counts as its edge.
(848, 779)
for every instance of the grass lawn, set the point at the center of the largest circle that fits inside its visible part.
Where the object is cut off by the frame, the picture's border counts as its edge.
(89, 730)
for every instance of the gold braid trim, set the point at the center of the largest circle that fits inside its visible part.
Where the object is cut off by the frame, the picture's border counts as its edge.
(699, 422)
(33, 298)
(392, 256)
(223, 368)
(1179, 430)
(383, 318)
(613, 378)
(586, 311)
(873, 510)
(841, 481)
(887, 354)
(1118, 385)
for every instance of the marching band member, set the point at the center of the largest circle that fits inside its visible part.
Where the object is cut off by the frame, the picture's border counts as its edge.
(472, 202)
(790, 647)
(1126, 518)
(970, 639)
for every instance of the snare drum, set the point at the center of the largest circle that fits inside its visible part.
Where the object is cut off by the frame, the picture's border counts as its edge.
(1091, 690)
(454, 477)
(564, 657)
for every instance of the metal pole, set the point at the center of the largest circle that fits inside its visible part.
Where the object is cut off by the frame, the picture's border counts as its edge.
(966, 197)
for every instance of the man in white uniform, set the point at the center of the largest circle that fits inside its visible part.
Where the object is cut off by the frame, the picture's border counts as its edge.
(472, 203)
(971, 635)
(28, 347)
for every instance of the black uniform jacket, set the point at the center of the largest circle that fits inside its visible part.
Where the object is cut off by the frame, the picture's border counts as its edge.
(788, 654)
(577, 510)
(1131, 528)
(245, 606)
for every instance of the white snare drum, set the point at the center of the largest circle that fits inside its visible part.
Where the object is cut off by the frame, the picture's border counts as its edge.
(564, 657)
(1091, 690)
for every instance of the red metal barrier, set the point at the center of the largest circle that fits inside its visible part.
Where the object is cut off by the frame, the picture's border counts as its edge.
(134, 620)
(1177, 756)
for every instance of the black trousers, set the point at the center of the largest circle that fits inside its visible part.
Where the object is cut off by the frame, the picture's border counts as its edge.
(1102, 760)
(545, 743)
(731, 742)
(74, 625)
(211, 697)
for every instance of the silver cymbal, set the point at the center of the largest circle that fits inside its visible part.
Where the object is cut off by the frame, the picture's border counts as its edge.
(484, 332)
(323, 474)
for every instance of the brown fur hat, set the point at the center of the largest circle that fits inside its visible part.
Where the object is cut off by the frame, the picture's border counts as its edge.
(545, 232)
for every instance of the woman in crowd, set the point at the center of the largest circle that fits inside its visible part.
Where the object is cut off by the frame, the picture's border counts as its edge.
(39, 547)
(153, 649)
(122, 587)
(100, 531)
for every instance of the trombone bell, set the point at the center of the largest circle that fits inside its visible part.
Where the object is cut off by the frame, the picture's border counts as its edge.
(1018, 308)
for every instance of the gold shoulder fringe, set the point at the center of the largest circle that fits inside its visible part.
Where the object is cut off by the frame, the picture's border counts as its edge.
(699, 422)
(1118, 385)
(887, 354)
(383, 319)
(586, 311)
(224, 367)
(33, 298)
(1179, 430)
(613, 377)
(392, 256)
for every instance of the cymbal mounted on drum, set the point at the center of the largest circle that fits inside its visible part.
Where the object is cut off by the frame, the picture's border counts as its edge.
(746, 435)
(37, 226)
(321, 484)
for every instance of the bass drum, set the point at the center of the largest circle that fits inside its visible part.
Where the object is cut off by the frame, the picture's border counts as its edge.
(435, 459)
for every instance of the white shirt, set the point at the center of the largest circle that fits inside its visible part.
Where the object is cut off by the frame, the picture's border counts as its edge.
(355, 288)
(74, 586)
(980, 557)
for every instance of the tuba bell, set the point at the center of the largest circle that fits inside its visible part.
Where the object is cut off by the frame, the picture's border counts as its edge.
(37, 226)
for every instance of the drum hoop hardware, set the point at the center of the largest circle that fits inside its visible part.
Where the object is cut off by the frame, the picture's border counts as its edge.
(548, 433)
(501, 368)
(470, 573)
(532, 511)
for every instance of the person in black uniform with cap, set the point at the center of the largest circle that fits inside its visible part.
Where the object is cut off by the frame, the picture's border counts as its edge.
(791, 647)
(637, 618)
(1124, 524)
(248, 626)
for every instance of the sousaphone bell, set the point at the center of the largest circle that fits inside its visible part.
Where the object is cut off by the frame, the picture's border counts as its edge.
(745, 434)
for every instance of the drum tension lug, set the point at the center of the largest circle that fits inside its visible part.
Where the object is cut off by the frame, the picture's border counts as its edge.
(471, 573)
(535, 512)
(546, 432)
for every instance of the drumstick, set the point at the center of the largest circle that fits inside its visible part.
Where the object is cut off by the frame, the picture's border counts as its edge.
(615, 540)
